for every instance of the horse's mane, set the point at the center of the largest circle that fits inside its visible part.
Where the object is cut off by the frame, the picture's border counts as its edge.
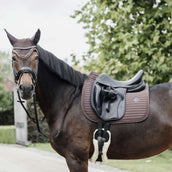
(60, 68)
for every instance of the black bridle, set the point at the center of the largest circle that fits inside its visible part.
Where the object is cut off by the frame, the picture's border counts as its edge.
(17, 77)
(26, 69)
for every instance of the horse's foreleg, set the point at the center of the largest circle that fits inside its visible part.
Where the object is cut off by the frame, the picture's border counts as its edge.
(77, 165)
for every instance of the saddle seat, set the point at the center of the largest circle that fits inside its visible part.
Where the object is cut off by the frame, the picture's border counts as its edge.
(133, 85)
(108, 95)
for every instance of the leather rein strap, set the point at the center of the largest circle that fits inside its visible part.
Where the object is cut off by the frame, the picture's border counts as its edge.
(34, 120)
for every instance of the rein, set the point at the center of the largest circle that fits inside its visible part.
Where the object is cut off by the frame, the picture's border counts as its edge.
(34, 120)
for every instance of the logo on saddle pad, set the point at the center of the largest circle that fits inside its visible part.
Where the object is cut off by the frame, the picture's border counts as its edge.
(136, 99)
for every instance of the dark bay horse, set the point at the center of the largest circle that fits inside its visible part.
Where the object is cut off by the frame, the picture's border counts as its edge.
(58, 87)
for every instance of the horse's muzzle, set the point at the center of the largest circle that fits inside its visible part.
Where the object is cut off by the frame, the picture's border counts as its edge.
(26, 91)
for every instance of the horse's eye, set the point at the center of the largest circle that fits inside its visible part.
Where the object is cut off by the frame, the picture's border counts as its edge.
(14, 58)
(35, 51)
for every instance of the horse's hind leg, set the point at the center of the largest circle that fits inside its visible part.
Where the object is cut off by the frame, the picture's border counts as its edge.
(77, 165)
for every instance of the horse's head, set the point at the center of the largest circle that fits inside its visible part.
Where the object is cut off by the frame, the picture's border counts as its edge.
(25, 63)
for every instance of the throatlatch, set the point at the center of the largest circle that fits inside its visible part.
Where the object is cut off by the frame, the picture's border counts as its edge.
(101, 141)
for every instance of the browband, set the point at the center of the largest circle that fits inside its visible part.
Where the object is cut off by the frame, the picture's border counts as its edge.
(24, 48)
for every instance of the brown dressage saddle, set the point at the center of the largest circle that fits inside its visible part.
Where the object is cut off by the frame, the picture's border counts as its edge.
(107, 100)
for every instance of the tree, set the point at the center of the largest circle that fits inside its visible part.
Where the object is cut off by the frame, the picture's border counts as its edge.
(6, 103)
(128, 35)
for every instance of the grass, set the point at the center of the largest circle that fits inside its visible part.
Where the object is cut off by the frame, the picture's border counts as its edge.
(158, 163)
(7, 134)
(42, 146)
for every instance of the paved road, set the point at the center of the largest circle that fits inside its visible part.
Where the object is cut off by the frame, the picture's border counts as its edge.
(15, 158)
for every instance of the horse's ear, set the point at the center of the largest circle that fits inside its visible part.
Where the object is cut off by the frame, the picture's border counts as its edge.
(36, 37)
(11, 38)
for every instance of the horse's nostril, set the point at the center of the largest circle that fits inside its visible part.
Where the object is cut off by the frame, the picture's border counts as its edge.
(21, 87)
(32, 87)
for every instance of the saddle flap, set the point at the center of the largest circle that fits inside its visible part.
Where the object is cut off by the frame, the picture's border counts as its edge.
(107, 102)
(114, 109)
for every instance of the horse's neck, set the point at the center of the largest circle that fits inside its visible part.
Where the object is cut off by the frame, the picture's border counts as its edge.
(51, 93)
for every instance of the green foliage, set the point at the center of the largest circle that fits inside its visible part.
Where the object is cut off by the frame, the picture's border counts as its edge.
(5, 65)
(126, 36)
(7, 134)
(6, 100)
(33, 135)
(7, 117)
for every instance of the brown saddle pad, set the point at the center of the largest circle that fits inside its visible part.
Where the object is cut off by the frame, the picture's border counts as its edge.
(137, 104)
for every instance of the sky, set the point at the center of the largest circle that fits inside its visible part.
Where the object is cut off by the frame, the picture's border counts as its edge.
(60, 34)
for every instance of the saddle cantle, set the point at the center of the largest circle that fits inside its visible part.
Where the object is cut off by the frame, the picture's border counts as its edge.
(135, 105)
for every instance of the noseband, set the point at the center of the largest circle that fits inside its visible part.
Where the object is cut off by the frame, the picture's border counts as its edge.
(23, 70)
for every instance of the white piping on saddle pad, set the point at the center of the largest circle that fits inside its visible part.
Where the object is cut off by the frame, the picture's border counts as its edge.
(104, 151)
